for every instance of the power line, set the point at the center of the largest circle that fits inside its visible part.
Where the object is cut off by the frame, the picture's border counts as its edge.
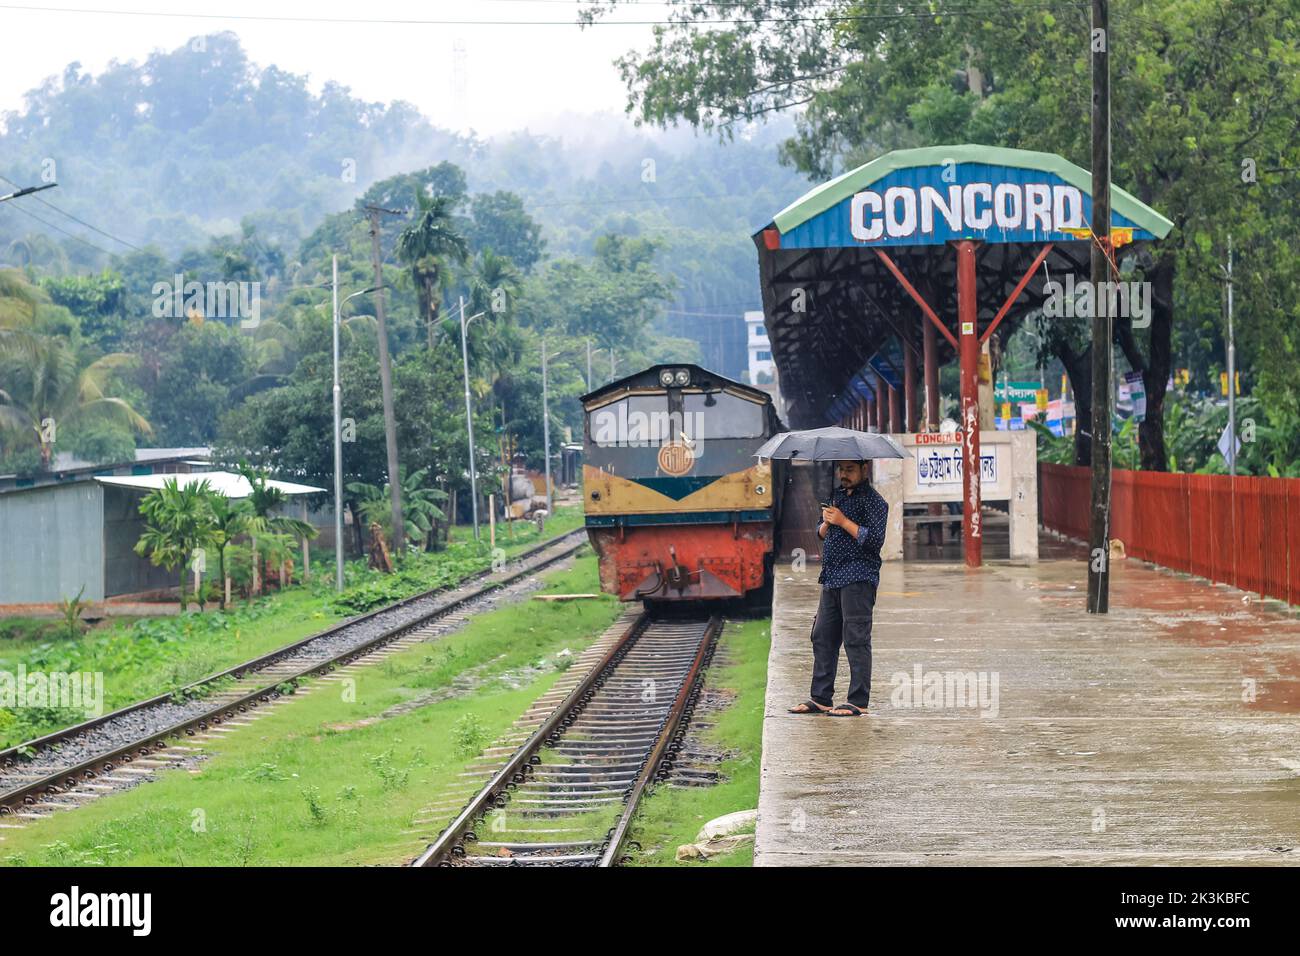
(70, 235)
(107, 235)
(612, 202)
(920, 13)
(704, 315)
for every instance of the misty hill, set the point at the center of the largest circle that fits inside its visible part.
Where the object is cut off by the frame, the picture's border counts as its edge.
(189, 144)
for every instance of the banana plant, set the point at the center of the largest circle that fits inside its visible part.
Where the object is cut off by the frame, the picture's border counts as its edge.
(419, 504)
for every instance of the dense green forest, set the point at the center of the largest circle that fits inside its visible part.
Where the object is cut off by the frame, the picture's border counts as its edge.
(200, 166)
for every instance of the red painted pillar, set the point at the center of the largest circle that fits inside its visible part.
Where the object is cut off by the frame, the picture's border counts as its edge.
(968, 326)
(930, 356)
(895, 411)
(868, 419)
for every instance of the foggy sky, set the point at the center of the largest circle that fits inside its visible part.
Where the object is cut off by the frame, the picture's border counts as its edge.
(491, 78)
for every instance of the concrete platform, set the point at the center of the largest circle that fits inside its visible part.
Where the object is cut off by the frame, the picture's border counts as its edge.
(1165, 733)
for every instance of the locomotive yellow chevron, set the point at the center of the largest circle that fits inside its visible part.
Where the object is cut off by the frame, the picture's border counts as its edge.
(610, 494)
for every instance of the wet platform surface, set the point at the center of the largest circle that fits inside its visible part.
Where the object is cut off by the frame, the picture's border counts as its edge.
(1009, 726)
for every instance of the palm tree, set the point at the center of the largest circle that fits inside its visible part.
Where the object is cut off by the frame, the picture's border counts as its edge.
(275, 355)
(431, 235)
(53, 392)
(230, 519)
(494, 286)
(495, 282)
(19, 302)
(18, 298)
(19, 251)
(38, 251)
(264, 498)
(178, 523)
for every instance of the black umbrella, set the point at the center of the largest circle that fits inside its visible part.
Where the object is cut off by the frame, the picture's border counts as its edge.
(830, 444)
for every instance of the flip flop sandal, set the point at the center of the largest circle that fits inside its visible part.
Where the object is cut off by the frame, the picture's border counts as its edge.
(856, 711)
(812, 708)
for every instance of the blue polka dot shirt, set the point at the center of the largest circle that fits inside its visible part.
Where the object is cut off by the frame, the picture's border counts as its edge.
(845, 559)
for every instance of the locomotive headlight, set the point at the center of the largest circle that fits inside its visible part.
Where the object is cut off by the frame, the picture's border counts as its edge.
(666, 377)
(683, 377)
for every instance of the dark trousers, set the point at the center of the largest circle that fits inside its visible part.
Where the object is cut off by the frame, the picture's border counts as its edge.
(843, 618)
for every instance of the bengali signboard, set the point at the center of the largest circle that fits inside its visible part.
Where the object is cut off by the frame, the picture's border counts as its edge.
(932, 470)
(1017, 391)
(942, 465)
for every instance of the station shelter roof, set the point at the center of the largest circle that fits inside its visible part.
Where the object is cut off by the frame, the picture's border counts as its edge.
(833, 308)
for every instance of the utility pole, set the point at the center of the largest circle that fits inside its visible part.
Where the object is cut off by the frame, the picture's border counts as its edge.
(469, 414)
(589, 365)
(546, 426)
(338, 443)
(1102, 332)
(1232, 377)
(386, 379)
(338, 426)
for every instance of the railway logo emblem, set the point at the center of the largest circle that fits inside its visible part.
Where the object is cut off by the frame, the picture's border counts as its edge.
(676, 458)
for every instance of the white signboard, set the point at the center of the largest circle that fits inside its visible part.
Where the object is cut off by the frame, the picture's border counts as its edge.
(941, 465)
(1137, 394)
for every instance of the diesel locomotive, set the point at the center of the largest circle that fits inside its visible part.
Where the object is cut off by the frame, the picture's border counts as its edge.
(677, 508)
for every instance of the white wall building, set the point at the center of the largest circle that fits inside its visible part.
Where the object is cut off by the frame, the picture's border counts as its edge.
(760, 349)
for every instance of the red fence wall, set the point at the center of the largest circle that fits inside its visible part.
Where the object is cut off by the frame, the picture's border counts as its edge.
(1240, 531)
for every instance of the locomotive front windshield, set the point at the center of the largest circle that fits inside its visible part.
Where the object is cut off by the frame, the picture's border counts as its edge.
(654, 419)
(634, 421)
(723, 415)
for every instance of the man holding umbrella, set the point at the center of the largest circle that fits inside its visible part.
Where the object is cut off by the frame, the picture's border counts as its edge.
(852, 530)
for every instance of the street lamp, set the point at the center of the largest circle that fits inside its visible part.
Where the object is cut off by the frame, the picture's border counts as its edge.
(590, 350)
(469, 415)
(27, 191)
(546, 409)
(338, 427)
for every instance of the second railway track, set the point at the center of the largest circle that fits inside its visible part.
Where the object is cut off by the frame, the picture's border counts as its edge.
(38, 776)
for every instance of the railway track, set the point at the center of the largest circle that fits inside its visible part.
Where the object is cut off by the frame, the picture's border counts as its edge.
(71, 766)
(565, 795)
